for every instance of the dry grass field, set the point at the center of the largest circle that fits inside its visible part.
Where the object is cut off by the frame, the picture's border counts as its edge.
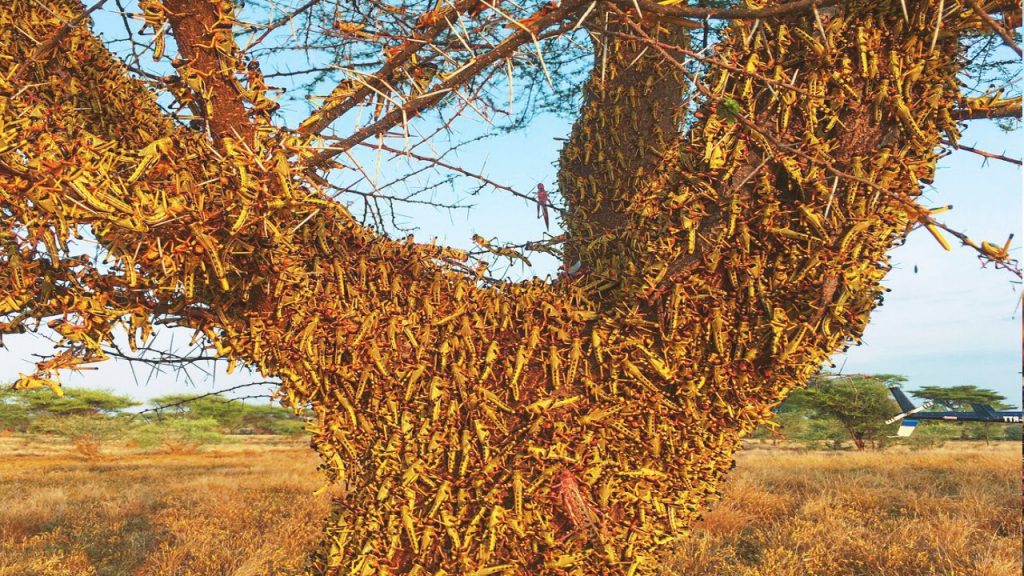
(248, 510)
(948, 511)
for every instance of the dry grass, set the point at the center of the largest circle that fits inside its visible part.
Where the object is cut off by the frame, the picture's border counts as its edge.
(947, 511)
(239, 510)
(248, 510)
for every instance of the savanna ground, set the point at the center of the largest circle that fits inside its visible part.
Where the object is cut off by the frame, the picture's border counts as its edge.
(248, 509)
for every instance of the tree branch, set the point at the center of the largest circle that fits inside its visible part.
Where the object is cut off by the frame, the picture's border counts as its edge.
(209, 62)
(459, 170)
(995, 26)
(983, 153)
(44, 49)
(983, 108)
(412, 107)
(685, 11)
(157, 409)
(332, 110)
(282, 21)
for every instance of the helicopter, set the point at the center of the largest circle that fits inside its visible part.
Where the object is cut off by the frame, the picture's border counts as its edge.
(979, 413)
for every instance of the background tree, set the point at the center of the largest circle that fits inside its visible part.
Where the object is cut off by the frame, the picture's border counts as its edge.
(962, 398)
(86, 417)
(232, 416)
(861, 404)
(836, 408)
(483, 427)
(20, 409)
(90, 418)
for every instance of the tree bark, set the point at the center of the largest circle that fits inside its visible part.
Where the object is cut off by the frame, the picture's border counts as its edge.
(632, 114)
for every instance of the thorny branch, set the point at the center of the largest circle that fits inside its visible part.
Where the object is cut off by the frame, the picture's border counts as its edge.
(179, 403)
(983, 153)
(416, 104)
(995, 26)
(459, 170)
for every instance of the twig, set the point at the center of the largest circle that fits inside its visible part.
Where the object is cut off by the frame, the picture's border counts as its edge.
(730, 14)
(330, 113)
(463, 171)
(281, 22)
(995, 26)
(413, 106)
(938, 25)
(43, 49)
(982, 153)
(207, 395)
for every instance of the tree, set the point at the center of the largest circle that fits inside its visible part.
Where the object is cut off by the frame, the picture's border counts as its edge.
(861, 404)
(18, 409)
(231, 416)
(713, 260)
(85, 416)
(961, 398)
(785, 425)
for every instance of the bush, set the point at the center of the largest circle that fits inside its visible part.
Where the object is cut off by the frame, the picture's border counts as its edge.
(177, 434)
(87, 433)
(932, 434)
(232, 416)
(14, 416)
(99, 428)
(823, 432)
(88, 446)
(286, 427)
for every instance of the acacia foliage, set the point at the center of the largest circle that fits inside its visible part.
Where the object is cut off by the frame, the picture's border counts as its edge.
(231, 416)
(536, 428)
(861, 405)
(961, 397)
(20, 409)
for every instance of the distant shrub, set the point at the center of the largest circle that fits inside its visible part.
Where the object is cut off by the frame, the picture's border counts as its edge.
(986, 431)
(87, 432)
(286, 427)
(932, 435)
(88, 446)
(92, 417)
(232, 416)
(14, 417)
(78, 425)
(176, 434)
(823, 433)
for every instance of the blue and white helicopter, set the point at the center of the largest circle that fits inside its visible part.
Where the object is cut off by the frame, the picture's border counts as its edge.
(980, 413)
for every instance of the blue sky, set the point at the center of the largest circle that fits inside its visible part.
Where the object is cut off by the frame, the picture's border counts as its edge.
(948, 323)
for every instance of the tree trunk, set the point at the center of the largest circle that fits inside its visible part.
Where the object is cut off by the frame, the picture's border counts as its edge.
(632, 114)
(858, 441)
